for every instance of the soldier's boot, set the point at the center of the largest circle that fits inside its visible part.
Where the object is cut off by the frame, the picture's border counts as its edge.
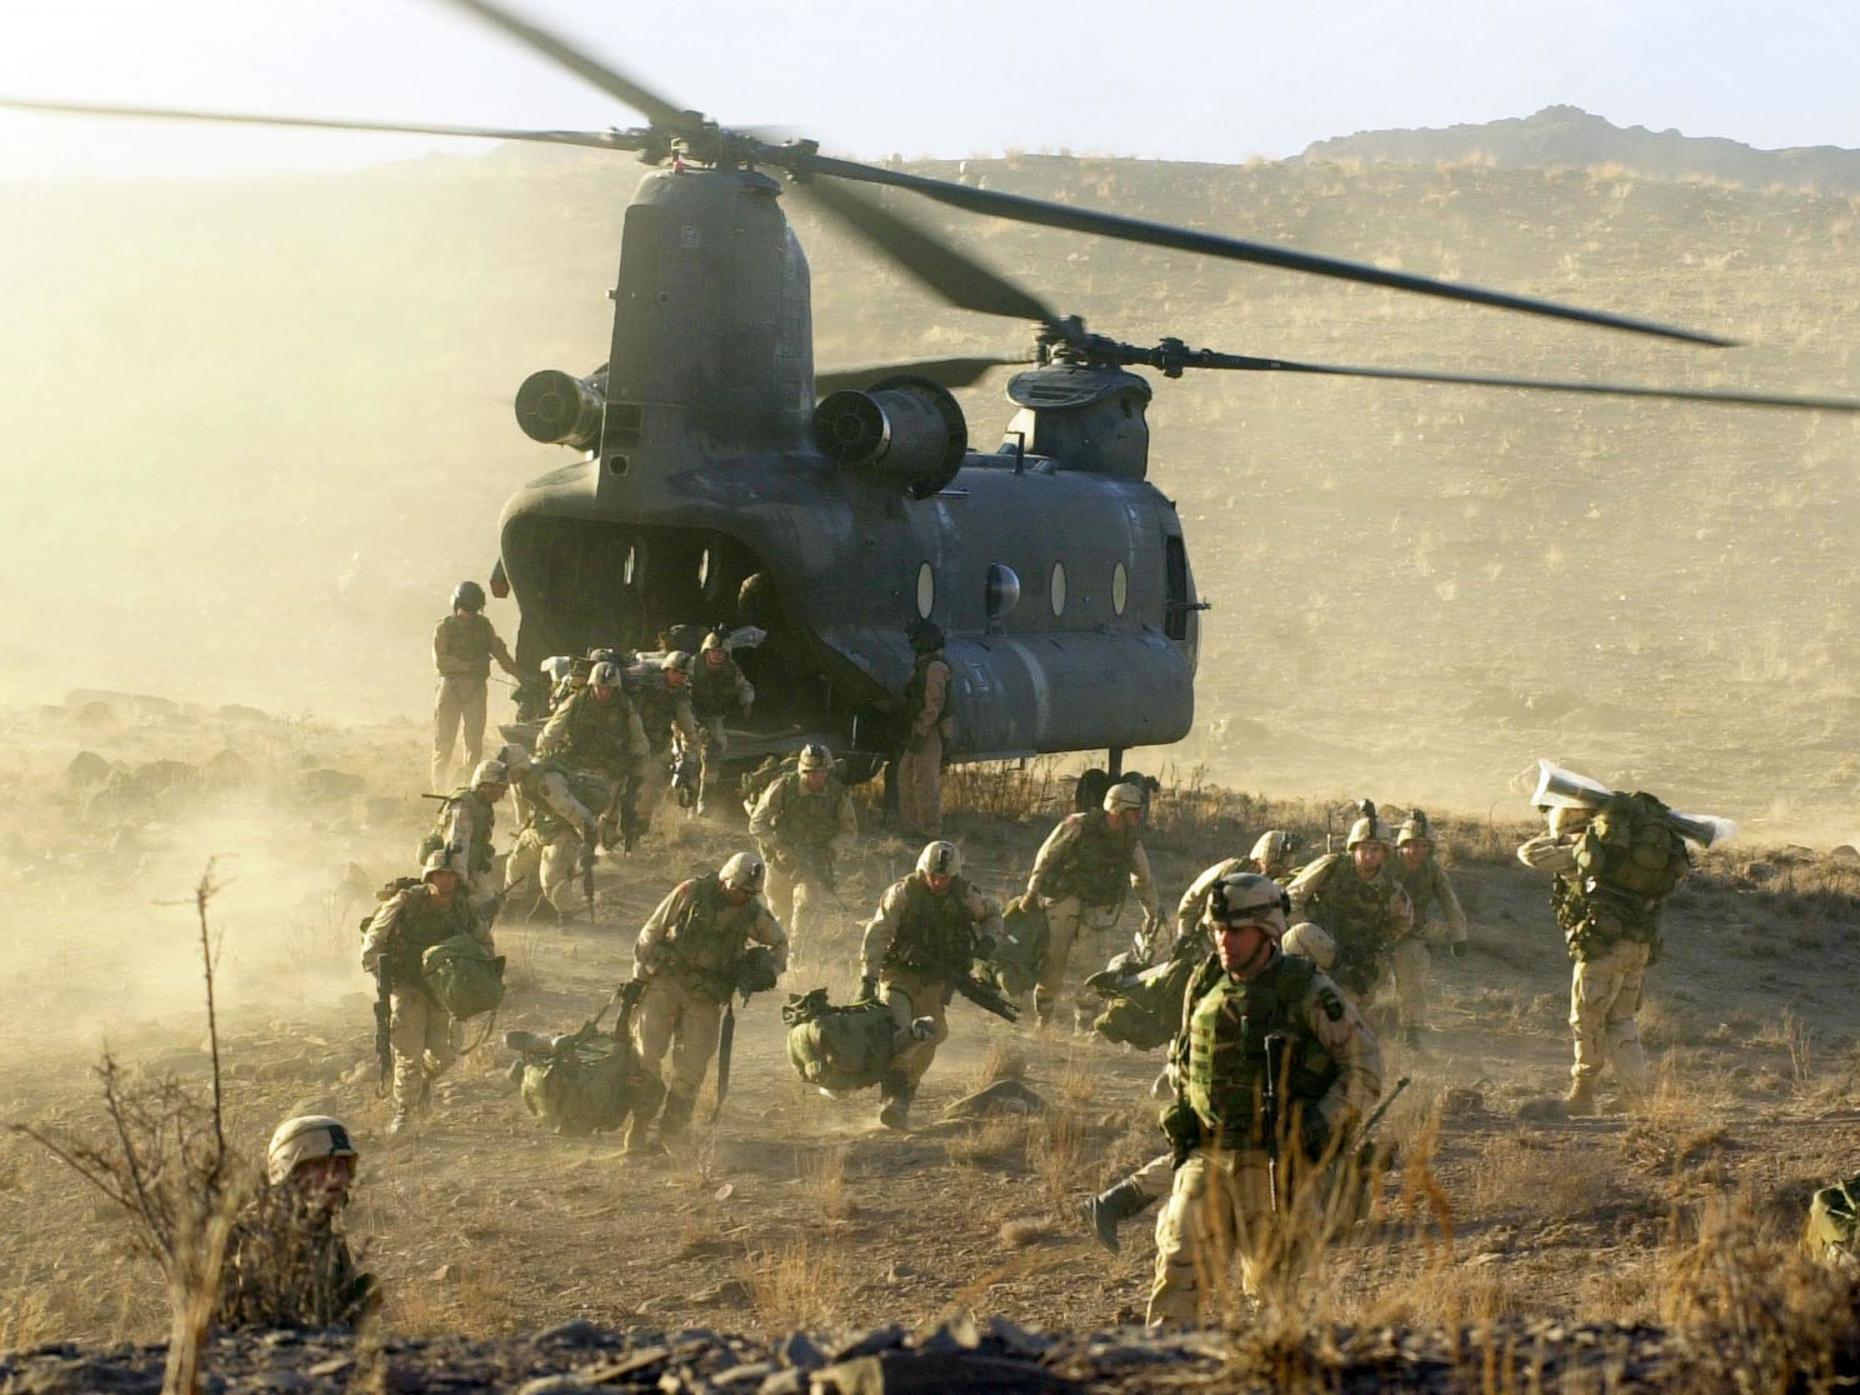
(639, 1140)
(1105, 1212)
(675, 1119)
(1581, 1098)
(896, 1090)
(399, 1124)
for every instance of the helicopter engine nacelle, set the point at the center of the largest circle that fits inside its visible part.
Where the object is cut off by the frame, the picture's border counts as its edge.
(907, 431)
(559, 409)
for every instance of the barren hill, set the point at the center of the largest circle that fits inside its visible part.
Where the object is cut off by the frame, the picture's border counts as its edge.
(1569, 137)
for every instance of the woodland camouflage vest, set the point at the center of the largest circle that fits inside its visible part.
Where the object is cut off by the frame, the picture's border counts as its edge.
(421, 924)
(713, 690)
(1225, 1079)
(1357, 914)
(708, 939)
(808, 820)
(935, 935)
(1097, 866)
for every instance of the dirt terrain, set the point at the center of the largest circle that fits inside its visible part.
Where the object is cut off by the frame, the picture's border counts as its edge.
(795, 1210)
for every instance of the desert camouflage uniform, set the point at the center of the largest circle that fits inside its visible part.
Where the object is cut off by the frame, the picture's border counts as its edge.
(912, 946)
(689, 952)
(1365, 916)
(464, 828)
(288, 1265)
(463, 647)
(665, 712)
(715, 693)
(802, 836)
(600, 749)
(1080, 876)
(920, 763)
(1220, 1204)
(423, 1035)
(1428, 887)
(555, 832)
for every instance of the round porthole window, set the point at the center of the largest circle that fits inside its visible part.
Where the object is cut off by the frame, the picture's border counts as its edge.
(1059, 588)
(926, 591)
(1120, 588)
(1002, 593)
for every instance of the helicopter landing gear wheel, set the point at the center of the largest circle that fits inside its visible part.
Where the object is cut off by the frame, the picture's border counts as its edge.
(1089, 792)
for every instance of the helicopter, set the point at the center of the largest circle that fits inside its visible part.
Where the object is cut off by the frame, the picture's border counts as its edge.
(718, 480)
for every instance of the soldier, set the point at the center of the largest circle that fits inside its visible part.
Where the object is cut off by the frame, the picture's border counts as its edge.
(1428, 887)
(1080, 877)
(1274, 853)
(463, 829)
(689, 953)
(718, 688)
(287, 1261)
(423, 1035)
(1227, 1196)
(804, 822)
(1614, 868)
(1149, 1184)
(662, 692)
(928, 722)
(1357, 900)
(931, 926)
(556, 831)
(598, 731)
(463, 646)
(1271, 857)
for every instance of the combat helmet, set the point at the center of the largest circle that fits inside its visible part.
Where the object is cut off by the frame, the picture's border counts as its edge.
(490, 772)
(1272, 847)
(305, 1139)
(1127, 795)
(1246, 898)
(515, 758)
(716, 640)
(678, 661)
(940, 858)
(1416, 828)
(745, 871)
(814, 756)
(605, 674)
(438, 860)
(1312, 941)
(1370, 828)
(468, 595)
(604, 656)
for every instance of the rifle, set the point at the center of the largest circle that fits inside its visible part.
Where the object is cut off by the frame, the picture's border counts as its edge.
(1276, 1043)
(497, 901)
(1383, 1108)
(984, 995)
(726, 1046)
(384, 1017)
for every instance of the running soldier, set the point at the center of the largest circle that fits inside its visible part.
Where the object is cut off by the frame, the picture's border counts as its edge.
(1429, 890)
(718, 690)
(1355, 897)
(466, 822)
(804, 823)
(662, 693)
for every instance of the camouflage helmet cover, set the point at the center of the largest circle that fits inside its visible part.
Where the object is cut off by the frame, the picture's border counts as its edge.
(515, 758)
(814, 756)
(715, 640)
(304, 1139)
(678, 661)
(438, 860)
(1416, 828)
(1127, 795)
(1273, 846)
(468, 595)
(490, 772)
(1369, 829)
(605, 674)
(1246, 898)
(744, 871)
(604, 656)
(941, 858)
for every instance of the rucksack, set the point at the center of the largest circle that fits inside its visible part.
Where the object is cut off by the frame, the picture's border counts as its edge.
(1143, 1007)
(1020, 954)
(463, 976)
(1630, 846)
(589, 1081)
(839, 1048)
(1833, 1222)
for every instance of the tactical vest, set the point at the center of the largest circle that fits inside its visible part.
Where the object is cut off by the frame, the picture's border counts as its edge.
(589, 788)
(1096, 868)
(914, 691)
(809, 820)
(462, 646)
(1225, 1077)
(707, 941)
(1422, 886)
(713, 691)
(480, 816)
(1357, 914)
(419, 926)
(657, 705)
(935, 935)
(589, 735)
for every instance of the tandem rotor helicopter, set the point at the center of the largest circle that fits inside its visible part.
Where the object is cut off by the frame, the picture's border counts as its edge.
(718, 478)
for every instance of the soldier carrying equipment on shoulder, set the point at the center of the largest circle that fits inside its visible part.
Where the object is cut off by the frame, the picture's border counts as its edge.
(1274, 1068)
(718, 689)
(463, 646)
(424, 1038)
(1080, 877)
(1272, 856)
(929, 930)
(1614, 865)
(662, 692)
(597, 732)
(1428, 888)
(287, 1262)
(1355, 897)
(928, 722)
(804, 823)
(690, 953)
(463, 829)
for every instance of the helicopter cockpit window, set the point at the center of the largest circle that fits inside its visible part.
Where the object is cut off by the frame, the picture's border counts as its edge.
(1120, 588)
(926, 591)
(1059, 589)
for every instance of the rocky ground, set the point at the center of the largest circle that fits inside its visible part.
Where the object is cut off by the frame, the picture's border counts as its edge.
(1507, 1239)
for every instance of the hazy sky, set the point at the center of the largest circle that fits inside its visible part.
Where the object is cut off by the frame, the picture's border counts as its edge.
(1209, 80)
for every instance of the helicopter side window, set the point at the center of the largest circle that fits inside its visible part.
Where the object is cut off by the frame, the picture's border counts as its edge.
(926, 591)
(1120, 588)
(1058, 596)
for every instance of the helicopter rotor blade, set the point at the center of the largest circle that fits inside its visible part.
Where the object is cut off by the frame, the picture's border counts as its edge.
(602, 140)
(1023, 209)
(655, 108)
(957, 278)
(949, 372)
(1207, 359)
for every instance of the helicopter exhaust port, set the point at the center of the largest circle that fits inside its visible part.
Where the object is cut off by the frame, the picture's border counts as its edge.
(907, 431)
(559, 409)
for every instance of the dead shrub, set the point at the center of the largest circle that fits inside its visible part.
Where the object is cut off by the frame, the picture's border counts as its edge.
(823, 1183)
(802, 1283)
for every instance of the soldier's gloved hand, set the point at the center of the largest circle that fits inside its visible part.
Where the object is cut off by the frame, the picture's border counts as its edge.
(868, 986)
(1457, 949)
(1182, 1127)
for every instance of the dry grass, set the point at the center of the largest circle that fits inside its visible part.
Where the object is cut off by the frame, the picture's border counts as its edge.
(823, 1183)
(1520, 1174)
(1004, 1060)
(1056, 1155)
(801, 1283)
(993, 1144)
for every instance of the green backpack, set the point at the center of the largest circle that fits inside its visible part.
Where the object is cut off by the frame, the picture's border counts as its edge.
(1631, 846)
(1833, 1221)
(463, 976)
(589, 1081)
(1020, 955)
(1143, 1008)
(839, 1048)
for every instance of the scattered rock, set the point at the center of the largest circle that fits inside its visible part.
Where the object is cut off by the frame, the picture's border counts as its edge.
(93, 715)
(444, 1274)
(577, 1332)
(1846, 852)
(87, 768)
(798, 1349)
(326, 786)
(229, 770)
(1002, 1097)
(733, 1292)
